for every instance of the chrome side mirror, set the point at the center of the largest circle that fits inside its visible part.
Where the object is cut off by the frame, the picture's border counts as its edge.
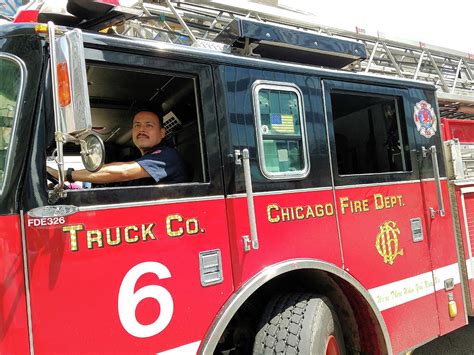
(92, 152)
(72, 114)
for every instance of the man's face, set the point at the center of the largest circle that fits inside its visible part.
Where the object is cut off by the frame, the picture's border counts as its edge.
(147, 131)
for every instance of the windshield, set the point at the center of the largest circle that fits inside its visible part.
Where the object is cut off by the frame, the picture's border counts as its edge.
(10, 88)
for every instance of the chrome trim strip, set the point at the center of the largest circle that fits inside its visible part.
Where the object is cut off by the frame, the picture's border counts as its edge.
(465, 190)
(466, 226)
(148, 203)
(19, 105)
(469, 268)
(385, 183)
(463, 182)
(462, 262)
(282, 192)
(433, 179)
(269, 273)
(331, 170)
(398, 172)
(27, 283)
(327, 188)
(285, 87)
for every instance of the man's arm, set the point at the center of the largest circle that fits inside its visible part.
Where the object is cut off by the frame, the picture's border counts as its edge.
(113, 172)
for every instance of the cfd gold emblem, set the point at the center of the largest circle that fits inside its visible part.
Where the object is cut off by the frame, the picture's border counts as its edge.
(387, 242)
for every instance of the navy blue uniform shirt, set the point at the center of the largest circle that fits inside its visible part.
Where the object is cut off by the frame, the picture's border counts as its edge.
(164, 164)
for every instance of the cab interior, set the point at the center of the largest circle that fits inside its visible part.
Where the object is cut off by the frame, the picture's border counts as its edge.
(116, 94)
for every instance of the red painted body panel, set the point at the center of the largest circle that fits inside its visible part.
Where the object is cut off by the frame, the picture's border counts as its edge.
(359, 226)
(298, 238)
(75, 293)
(411, 323)
(471, 296)
(460, 129)
(443, 251)
(359, 234)
(13, 318)
(466, 223)
(463, 130)
(448, 324)
(414, 323)
(437, 249)
(83, 285)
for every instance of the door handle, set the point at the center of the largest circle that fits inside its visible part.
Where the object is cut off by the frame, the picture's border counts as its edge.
(434, 159)
(244, 159)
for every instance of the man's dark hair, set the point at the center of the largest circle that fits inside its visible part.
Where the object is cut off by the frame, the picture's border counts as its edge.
(148, 109)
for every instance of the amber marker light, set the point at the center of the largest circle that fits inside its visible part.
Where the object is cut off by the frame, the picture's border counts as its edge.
(41, 28)
(452, 307)
(64, 89)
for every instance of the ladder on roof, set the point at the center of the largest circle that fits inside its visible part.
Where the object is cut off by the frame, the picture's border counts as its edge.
(451, 71)
(199, 23)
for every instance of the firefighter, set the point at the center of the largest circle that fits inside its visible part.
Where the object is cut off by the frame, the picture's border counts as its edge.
(158, 163)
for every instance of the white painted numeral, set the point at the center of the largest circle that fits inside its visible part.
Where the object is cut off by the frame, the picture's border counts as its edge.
(128, 300)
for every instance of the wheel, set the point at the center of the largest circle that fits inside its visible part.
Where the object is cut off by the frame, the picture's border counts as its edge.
(299, 323)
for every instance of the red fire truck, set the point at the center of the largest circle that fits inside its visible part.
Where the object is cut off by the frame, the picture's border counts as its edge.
(321, 216)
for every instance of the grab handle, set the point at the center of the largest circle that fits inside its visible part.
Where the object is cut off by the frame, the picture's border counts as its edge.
(244, 158)
(434, 160)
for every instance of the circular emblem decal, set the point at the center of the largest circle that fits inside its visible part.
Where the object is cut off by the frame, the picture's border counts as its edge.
(387, 242)
(425, 119)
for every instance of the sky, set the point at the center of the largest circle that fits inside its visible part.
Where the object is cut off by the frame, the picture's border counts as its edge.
(448, 24)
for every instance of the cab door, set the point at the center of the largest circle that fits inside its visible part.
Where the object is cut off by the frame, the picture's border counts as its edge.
(133, 269)
(21, 65)
(387, 233)
(278, 118)
(13, 315)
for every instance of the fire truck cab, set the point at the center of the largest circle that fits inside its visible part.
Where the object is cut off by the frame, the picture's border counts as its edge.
(316, 219)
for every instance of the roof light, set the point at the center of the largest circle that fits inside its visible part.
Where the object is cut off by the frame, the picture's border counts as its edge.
(26, 16)
(41, 28)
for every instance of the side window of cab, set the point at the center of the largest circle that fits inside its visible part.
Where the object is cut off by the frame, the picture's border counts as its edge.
(119, 92)
(281, 130)
(117, 95)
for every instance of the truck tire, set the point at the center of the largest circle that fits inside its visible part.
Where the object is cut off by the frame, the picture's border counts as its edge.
(299, 323)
